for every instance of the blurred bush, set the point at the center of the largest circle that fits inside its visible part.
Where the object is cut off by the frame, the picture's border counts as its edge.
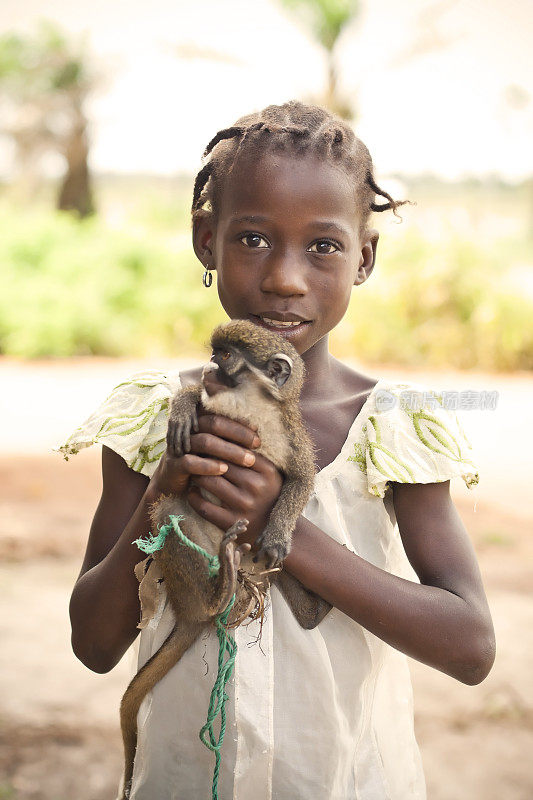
(443, 303)
(80, 288)
(74, 288)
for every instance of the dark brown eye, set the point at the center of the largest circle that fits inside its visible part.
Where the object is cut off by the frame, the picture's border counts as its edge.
(253, 240)
(225, 355)
(321, 244)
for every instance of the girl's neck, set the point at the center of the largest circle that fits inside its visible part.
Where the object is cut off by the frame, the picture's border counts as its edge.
(319, 365)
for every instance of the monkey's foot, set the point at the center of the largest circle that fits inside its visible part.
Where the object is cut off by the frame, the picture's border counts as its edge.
(230, 559)
(241, 526)
(273, 554)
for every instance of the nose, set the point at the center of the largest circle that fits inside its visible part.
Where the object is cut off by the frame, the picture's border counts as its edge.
(284, 275)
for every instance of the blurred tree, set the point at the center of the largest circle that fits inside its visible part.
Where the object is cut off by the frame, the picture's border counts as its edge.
(44, 82)
(326, 20)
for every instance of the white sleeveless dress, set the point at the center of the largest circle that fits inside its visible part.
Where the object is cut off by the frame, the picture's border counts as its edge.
(325, 714)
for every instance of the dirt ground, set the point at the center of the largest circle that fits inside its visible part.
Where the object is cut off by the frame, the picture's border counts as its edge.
(59, 736)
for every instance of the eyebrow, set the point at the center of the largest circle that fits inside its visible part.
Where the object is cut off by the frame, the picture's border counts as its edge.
(322, 224)
(331, 226)
(249, 218)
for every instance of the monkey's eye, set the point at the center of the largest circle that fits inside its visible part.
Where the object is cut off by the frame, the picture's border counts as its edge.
(225, 355)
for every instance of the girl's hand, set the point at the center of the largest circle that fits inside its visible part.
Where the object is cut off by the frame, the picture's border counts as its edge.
(248, 489)
(173, 474)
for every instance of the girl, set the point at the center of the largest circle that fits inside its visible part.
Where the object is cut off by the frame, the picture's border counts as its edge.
(280, 213)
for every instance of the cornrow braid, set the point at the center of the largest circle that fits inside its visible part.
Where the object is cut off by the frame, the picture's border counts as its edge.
(383, 206)
(244, 135)
(199, 183)
(295, 128)
(227, 133)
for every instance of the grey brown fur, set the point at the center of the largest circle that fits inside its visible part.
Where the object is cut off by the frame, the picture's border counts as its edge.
(264, 375)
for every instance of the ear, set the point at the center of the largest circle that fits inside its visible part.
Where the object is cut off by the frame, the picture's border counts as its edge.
(203, 236)
(367, 257)
(279, 369)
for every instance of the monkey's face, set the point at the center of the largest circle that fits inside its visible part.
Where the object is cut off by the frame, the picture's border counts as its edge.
(226, 367)
(230, 367)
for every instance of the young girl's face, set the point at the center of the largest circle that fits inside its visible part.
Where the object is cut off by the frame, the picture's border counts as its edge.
(286, 246)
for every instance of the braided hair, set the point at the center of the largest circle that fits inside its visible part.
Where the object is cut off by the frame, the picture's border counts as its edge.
(298, 129)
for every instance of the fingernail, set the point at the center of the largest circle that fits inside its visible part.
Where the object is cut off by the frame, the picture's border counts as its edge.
(249, 459)
(256, 442)
(223, 468)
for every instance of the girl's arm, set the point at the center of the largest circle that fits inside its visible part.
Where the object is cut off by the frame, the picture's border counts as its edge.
(444, 621)
(104, 607)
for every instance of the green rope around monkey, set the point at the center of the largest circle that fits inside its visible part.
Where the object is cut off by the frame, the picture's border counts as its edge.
(227, 645)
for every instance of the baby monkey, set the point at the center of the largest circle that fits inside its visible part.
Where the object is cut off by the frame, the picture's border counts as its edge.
(259, 377)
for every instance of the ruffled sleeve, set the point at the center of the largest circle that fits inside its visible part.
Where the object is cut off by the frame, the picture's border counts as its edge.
(132, 421)
(411, 435)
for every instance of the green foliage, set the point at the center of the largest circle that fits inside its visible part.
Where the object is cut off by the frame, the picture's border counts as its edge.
(41, 64)
(439, 304)
(325, 18)
(76, 288)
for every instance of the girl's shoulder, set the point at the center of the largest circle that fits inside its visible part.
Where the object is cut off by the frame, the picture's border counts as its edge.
(411, 433)
(132, 420)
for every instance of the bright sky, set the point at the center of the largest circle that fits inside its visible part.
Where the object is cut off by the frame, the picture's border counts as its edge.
(448, 91)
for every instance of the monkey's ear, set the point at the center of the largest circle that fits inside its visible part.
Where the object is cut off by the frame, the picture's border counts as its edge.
(279, 368)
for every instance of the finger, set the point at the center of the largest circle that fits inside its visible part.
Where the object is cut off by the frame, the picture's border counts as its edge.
(263, 464)
(186, 437)
(237, 557)
(174, 443)
(244, 478)
(221, 517)
(208, 444)
(254, 479)
(227, 492)
(194, 418)
(228, 429)
(196, 465)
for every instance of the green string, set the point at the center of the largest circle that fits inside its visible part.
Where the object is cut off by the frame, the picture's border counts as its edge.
(153, 543)
(227, 644)
(217, 702)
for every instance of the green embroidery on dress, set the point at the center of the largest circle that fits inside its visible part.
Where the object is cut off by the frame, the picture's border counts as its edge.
(373, 421)
(425, 425)
(378, 446)
(138, 384)
(144, 455)
(110, 424)
(393, 466)
(449, 451)
(359, 458)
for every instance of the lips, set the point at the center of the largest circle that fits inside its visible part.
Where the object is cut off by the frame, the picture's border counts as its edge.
(280, 322)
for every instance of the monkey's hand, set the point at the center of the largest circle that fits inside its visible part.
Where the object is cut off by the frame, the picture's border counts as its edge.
(183, 420)
(273, 553)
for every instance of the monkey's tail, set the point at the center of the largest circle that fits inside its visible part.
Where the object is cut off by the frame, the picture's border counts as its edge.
(175, 645)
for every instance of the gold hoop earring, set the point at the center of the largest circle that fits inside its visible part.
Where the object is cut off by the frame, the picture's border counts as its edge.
(207, 278)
